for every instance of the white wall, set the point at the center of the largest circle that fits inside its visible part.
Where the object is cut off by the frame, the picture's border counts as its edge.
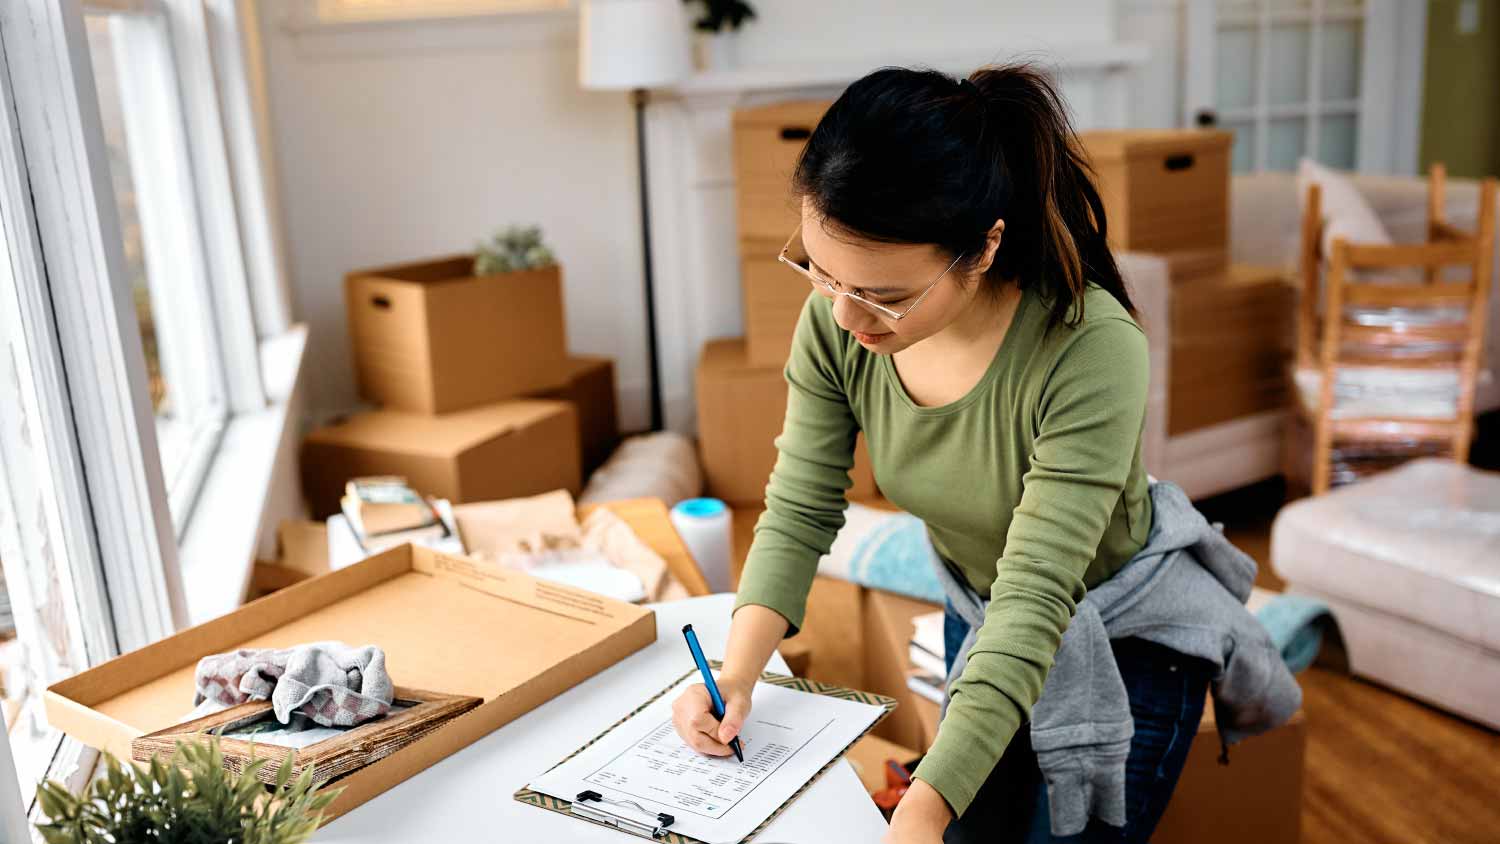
(799, 32)
(402, 141)
(392, 150)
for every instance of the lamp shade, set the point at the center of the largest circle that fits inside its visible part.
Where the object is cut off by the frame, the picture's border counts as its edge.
(625, 44)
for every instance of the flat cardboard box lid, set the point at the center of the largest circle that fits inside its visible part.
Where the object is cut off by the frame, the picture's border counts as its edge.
(1115, 144)
(447, 435)
(446, 624)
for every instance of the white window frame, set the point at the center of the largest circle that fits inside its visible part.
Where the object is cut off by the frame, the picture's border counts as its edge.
(214, 180)
(234, 30)
(79, 268)
(1388, 107)
(166, 199)
(80, 436)
(171, 83)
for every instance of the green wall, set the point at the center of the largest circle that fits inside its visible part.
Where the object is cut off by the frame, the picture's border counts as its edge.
(1461, 96)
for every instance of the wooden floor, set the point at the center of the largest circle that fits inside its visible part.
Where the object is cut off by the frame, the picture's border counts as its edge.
(1380, 767)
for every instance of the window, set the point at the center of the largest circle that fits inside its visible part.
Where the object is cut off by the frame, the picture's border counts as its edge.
(1302, 98)
(128, 334)
(149, 170)
(1307, 78)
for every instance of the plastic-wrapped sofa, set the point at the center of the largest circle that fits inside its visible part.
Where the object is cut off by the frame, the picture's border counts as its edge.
(1409, 561)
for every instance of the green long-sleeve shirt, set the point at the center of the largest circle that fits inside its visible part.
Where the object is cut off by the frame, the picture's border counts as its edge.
(1032, 485)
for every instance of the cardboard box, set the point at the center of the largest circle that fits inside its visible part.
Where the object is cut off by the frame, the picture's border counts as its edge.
(1163, 190)
(504, 450)
(1259, 791)
(740, 413)
(555, 636)
(767, 141)
(430, 337)
(1231, 343)
(887, 630)
(774, 297)
(590, 388)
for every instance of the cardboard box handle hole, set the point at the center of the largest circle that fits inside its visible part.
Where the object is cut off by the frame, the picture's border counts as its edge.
(795, 133)
(1179, 162)
(381, 302)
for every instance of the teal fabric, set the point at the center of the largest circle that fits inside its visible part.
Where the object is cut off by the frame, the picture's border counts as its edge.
(897, 557)
(1296, 624)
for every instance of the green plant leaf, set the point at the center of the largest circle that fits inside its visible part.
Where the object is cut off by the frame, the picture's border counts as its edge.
(189, 798)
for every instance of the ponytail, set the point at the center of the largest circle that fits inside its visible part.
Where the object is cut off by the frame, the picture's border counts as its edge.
(911, 156)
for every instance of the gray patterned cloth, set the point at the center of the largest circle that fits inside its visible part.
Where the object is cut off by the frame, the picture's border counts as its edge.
(332, 683)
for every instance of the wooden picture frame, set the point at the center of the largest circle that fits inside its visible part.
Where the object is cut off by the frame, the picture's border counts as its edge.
(414, 714)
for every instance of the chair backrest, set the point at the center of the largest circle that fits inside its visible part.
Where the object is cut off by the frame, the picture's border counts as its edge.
(1396, 307)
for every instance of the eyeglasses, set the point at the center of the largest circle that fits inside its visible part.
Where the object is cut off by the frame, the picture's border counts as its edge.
(795, 256)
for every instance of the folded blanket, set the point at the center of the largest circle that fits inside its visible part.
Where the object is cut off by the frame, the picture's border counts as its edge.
(332, 683)
(1296, 623)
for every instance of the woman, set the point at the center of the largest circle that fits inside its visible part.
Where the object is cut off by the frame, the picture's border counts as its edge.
(974, 325)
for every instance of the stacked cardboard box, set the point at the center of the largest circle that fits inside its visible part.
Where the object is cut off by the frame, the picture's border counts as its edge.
(740, 411)
(1167, 192)
(479, 396)
(741, 392)
(1232, 337)
(767, 142)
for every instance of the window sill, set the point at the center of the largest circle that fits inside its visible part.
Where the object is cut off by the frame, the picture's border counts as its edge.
(217, 551)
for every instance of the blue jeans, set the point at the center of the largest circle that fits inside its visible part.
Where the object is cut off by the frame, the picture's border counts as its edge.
(1166, 691)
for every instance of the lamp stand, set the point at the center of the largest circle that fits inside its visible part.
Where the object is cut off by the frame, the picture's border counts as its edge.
(638, 99)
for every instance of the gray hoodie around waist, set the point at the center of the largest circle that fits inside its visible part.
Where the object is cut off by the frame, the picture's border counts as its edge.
(1185, 590)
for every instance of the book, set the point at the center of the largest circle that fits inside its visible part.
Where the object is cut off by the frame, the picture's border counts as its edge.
(927, 685)
(927, 632)
(384, 504)
(927, 662)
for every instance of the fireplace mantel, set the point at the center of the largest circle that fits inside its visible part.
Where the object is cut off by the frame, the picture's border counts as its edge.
(692, 191)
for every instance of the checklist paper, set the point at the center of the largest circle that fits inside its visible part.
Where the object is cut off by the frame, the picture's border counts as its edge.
(790, 736)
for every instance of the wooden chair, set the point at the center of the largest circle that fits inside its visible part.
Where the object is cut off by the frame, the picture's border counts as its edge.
(1389, 315)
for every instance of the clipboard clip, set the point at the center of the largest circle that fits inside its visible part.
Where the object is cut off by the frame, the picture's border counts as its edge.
(591, 805)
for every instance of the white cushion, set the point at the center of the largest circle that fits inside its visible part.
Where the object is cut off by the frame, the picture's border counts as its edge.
(1418, 542)
(1345, 212)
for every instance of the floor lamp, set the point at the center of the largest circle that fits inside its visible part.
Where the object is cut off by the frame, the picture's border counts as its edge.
(636, 45)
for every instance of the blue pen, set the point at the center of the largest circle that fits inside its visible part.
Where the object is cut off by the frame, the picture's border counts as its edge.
(713, 688)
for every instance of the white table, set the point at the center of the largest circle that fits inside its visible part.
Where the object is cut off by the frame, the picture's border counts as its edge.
(468, 796)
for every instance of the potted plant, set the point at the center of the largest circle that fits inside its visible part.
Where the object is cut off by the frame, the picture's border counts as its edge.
(513, 249)
(188, 799)
(719, 21)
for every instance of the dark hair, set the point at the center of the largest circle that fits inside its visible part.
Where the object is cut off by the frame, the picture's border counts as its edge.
(914, 156)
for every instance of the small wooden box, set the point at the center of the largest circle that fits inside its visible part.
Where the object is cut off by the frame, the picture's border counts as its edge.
(1164, 190)
(767, 142)
(774, 297)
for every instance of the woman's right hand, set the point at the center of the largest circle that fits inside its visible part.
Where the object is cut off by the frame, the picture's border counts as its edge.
(692, 715)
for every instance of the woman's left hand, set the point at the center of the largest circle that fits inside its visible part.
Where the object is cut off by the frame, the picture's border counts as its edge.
(920, 817)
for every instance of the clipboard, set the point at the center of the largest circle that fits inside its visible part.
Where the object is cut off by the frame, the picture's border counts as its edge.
(639, 821)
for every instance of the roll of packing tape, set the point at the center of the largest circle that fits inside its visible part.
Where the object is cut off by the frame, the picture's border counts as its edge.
(706, 527)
